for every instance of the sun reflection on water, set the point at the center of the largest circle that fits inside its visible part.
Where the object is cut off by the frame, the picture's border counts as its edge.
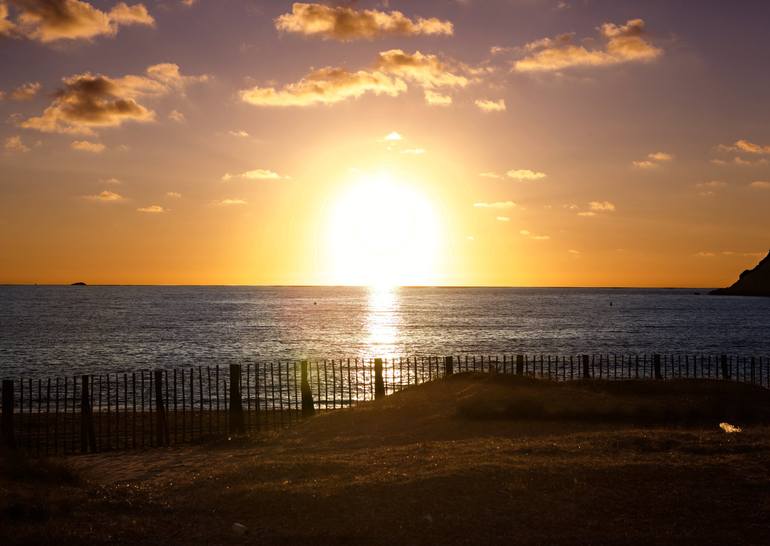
(382, 322)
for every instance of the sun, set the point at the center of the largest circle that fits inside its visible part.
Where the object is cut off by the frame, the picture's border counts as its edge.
(382, 233)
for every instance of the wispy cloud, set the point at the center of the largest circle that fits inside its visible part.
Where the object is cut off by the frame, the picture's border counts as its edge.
(535, 237)
(173, 194)
(525, 174)
(14, 144)
(760, 185)
(495, 205)
(622, 44)
(255, 174)
(87, 146)
(176, 116)
(654, 160)
(503, 219)
(486, 105)
(106, 196)
(152, 209)
(601, 206)
(437, 99)
(229, 202)
(345, 24)
(747, 147)
(25, 91)
(239, 134)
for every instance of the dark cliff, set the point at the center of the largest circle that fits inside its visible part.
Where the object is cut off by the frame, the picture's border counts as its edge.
(752, 282)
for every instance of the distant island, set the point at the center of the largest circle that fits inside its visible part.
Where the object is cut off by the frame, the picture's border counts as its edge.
(752, 282)
(78, 284)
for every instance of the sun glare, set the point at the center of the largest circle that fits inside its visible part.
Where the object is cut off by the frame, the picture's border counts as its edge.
(382, 233)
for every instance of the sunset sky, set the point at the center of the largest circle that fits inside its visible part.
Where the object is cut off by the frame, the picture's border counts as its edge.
(467, 142)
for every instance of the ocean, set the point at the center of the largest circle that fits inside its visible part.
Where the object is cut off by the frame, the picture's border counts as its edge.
(48, 330)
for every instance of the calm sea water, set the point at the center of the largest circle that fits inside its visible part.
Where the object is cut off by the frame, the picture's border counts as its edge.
(48, 330)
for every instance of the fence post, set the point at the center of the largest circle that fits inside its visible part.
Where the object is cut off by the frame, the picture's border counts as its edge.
(379, 384)
(656, 366)
(586, 367)
(6, 431)
(87, 433)
(519, 364)
(725, 367)
(449, 367)
(236, 403)
(161, 426)
(308, 409)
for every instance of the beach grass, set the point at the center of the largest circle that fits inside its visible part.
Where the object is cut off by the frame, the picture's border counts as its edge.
(460, 461)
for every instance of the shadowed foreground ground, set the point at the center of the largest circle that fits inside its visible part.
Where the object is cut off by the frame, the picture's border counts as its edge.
(474, 459)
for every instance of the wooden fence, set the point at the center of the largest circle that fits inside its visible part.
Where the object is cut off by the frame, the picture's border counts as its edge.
(102, 412)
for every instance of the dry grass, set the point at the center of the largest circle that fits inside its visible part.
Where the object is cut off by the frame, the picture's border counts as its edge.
(450, 462)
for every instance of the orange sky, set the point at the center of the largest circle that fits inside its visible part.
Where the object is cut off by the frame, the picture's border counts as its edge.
(531, 143)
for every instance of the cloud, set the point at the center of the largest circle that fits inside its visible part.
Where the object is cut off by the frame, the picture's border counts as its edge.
(88, 101)
(239, 134)
(393, 136)
(345, 24)
(152, 209)
(645, 164)
(586, 214)
(325, 86)
(490, 105)
(622, 44)
(255, 174)
(760, 185)
(601, 206)
(229, 202)
(534, 237)
(6, 26)
(25, 91)
(176, 116)
(388, 75)
(106, 197)
(495, 205)
(503, 219)
(437, 99)
(740, 161)
(51, 20)
(746, 146)
(525, 174)
(713, 184)
(426, 70)
(111, 181)
(653, 160)
(704, 254)
(86, 146)
(15, 144)
(173, 194)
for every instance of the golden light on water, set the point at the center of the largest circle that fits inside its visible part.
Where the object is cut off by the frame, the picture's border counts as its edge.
(382, 232)
(382, 321)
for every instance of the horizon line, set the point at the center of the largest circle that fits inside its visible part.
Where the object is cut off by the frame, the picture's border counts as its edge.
(235, 285)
